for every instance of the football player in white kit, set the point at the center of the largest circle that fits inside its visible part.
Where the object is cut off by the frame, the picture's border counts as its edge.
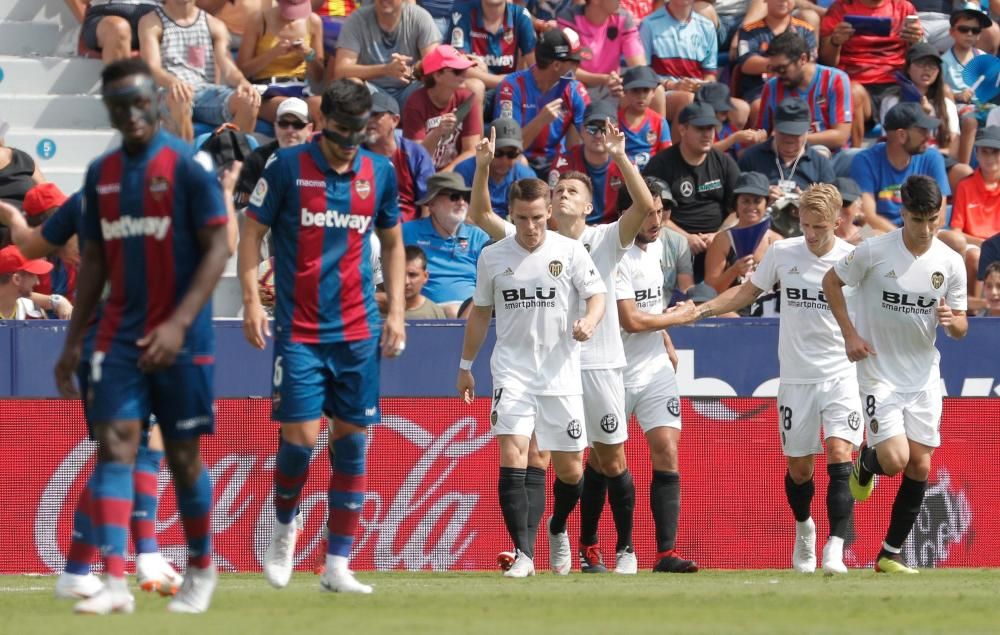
(651, 391)
(907, 282)
(818, 384)
(602, 359)
(536, 281)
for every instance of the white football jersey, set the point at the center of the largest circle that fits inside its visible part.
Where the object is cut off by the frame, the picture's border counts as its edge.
(640, 277)
(810, 344)
(896, 307)
(537, 296)
(604, 349)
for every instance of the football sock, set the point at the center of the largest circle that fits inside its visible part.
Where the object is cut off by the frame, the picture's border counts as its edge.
(147, 469)
(564, 498)
(346, 494)
(799, 497)
(195, 506)
(595, 489)
(869, 461)
(111, 502)
(291, 469)
(905, 508)
(621, 495)
(514, 505)
(665, 503)
(839, 502)
(534, 485)
(83, 546)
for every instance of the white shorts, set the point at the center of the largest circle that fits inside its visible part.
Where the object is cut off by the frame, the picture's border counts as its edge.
(833, 405)
(891, 414)
(556, 421)
(656, 404)
(604, 406)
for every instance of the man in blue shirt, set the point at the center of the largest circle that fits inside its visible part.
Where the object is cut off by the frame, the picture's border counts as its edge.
(881, 169)
(506, 166)
(452, 246)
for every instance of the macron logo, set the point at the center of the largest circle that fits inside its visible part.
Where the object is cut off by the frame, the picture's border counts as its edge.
(129, 227)
(340, 220)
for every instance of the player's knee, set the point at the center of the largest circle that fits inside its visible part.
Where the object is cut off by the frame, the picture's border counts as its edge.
(801, 471)
(184, 460)
(612, 459)
(569, 473)
(349, 453)
(893, 462)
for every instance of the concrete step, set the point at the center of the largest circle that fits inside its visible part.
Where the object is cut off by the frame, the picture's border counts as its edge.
(36, 11)
(83, 112)
(29, 38)
(59, 148)
(69, 180)
(49, 75)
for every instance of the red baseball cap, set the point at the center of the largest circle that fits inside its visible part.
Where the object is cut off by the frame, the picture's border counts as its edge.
(42, 198)
(294, 9)
(445, 56)
(12, 261)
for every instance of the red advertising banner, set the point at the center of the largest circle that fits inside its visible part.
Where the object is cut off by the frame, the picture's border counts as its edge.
(432, 502)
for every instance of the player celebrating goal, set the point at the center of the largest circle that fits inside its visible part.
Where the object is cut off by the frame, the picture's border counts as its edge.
(818, 386)
(321, 201)
(535, 280)
(908, 282)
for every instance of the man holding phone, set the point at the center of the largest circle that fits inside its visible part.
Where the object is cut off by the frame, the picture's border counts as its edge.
(868, 39)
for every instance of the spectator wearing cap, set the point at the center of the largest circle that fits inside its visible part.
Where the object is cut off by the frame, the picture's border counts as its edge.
(498, 34)
(787, 160)
(281, 52)
(936, 20)
(701, 179)
(682, 47)
(110, 27)
(612, 35)
(412, 161)
(506, 166)
(593, 159)
(975, 212)
(871, 60)
(852, 217)
(18, 278)
(827, 90)
(40, 203)
(292, 127)
(732, 136)
(545, 100)
(881, 169)
(755, 39)
(724, 268)
(445, 115)
(452, 246)
(381, 42)
(646, 131)
(419, 306)
(967, 24)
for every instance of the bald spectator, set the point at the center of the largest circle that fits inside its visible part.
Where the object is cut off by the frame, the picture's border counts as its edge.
(111, 27)
(506, 166)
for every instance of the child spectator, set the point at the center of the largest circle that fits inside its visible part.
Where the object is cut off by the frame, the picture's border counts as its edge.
(976, 208)
(646, 131)
(966, 27)
(497, 33)
(756, 37)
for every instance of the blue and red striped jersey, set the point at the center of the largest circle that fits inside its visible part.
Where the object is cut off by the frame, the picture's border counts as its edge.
(519, 97)
(500, 51)
(828, 96)
(322, 222)
(606, 179)
(146, 211)
(642, 142)
(679, 49)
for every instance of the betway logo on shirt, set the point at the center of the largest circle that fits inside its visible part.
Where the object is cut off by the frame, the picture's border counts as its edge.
(331, 218)
(128, 227)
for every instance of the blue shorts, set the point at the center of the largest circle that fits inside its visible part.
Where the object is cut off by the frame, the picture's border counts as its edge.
(180, 396)
(211, 104)
(340, 380)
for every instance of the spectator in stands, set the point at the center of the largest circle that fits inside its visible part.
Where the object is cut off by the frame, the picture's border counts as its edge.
(18, 171)
(593, 159)
(333, 13)
(966, 27)
(292, 127)
(989, 256)
(682, 47)
(381, 42)
(40, 203)
(991, 290)
(452, 246)
(976, 208)
(881, 169)
(498, 34)
(852, 216)
(110, 27)
(733, 137)
(235, 14)
(935, 18)
(646, 131)
(612, 35)
(870, 60)
(787, 160)
(506, 166)
(186, 49)
(282, 52)
(755, 39)
(701, 180)
(414, 165)
(827, 90)
(445, 115)
(418, 306)
(18, 278)
(545, 100)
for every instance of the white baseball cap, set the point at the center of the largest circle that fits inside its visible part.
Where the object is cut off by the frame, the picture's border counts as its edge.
(295, 107)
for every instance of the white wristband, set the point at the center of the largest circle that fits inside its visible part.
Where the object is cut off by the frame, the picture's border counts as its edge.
(55, 299)
(465, 364)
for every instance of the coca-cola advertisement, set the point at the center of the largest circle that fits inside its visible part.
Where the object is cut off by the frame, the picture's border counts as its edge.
(432, 501)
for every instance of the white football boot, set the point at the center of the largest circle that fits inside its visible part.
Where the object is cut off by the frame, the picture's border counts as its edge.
(71, 586)
(833, 557)
(113, 598)
(154, 573)
(522, 567)
(196, 592)
(560, 553)
(804, 554)
(279, 560)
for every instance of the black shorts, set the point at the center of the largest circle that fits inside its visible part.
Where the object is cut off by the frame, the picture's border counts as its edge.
(878, 92)
(94, 15)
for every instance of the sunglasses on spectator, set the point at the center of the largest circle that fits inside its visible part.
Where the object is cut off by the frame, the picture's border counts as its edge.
(975, 30)
(512, 153)
(298, 124)
(594, 128)
(454, 197)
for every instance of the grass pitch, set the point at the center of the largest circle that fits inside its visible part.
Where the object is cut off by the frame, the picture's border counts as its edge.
(936, 601)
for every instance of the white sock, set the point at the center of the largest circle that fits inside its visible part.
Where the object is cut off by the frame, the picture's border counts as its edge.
(336, 563)
(835, 546)
(805, 526)
(894, 550)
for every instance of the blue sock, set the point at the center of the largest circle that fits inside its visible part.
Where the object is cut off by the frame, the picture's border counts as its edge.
(147, 470)
(83, 547)
(195, 506)
(112, 504)
(346, 493)
(291, 469)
